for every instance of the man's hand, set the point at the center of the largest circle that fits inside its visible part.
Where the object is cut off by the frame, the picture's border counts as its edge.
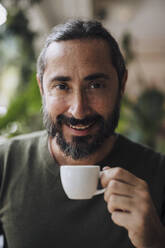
(130, 204)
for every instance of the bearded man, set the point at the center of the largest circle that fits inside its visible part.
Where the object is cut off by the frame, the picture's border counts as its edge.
(81, 75)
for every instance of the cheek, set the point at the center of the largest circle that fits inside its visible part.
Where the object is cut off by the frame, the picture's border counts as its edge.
(104, 106)
(55, 106)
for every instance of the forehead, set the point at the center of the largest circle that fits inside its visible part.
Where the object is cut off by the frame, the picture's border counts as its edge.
(89, 52)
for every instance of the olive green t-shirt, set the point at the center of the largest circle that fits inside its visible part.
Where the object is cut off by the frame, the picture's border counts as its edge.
(36, 213)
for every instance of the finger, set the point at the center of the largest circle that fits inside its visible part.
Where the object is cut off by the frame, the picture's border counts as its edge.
(118, 202)
(119, 188)
(106, 168)
(123, 219)
(120, 175)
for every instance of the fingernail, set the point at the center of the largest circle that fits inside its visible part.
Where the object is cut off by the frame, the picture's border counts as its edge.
(106, 168)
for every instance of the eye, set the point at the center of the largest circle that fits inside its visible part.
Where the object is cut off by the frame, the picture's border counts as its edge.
(96, 85)
(61, 86)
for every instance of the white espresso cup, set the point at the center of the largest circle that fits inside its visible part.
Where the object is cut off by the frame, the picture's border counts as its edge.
(80, 181)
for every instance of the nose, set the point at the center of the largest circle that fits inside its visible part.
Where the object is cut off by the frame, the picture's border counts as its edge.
(79, 105)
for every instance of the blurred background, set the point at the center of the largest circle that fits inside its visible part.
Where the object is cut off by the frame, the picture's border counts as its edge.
(138, 26)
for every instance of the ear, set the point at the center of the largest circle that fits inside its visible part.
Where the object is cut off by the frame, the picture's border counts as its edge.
(40, 85)
(123, 84)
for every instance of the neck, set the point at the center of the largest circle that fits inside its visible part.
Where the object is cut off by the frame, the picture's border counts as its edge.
(99, 155)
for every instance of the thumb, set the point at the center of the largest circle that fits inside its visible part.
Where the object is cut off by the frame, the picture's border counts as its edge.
(104, 178)
(106, 168)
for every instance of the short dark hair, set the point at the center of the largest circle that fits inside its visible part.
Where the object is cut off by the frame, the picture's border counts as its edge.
(79, 29)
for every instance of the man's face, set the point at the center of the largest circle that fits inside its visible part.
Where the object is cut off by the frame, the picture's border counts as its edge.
(81, 95)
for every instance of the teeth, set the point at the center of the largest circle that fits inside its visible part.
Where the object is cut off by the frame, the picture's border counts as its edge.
(81, 127)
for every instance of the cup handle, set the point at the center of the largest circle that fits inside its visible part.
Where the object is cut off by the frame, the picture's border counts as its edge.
(100, 191)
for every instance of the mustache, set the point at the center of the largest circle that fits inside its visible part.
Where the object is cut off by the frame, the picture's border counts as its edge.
(62, 119)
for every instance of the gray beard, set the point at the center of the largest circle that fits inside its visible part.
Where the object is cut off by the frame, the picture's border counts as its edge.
(82, 147)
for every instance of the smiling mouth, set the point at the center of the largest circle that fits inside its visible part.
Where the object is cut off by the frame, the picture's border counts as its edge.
(81, 127)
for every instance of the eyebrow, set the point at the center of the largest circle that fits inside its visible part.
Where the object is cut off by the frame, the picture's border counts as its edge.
(60, 78)
(96, 76)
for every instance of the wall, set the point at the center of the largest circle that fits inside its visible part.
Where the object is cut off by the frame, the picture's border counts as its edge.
(145, 20)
